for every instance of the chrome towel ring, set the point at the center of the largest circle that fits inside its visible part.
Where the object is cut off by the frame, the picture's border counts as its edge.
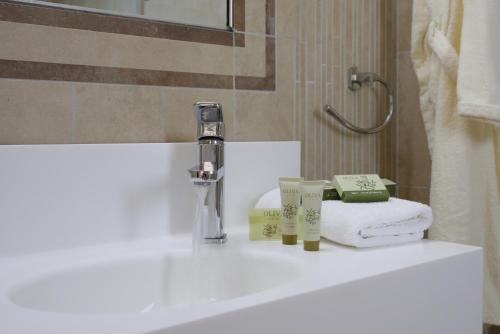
(354, 81)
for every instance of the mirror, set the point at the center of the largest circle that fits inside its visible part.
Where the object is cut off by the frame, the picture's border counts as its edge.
(205, 13)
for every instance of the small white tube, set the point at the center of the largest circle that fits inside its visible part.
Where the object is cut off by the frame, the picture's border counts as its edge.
(290, 203)
(312, 196)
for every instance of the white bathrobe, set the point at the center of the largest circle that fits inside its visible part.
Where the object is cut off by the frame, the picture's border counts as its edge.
(465, 186)
(478, 88)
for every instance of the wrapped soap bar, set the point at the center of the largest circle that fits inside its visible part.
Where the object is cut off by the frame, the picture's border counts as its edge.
(361, 188)
(265, 224)
(330, 192)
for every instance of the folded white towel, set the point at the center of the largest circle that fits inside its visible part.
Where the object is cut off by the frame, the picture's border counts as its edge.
(374, 224)
(366, 224)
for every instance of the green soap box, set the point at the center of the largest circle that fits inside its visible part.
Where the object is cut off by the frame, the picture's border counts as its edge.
(330, 193)
(265, 224)
(361, 188)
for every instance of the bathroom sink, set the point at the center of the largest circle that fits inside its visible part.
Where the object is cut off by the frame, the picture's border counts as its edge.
(154, 283)
(98, 239)
(155, 286)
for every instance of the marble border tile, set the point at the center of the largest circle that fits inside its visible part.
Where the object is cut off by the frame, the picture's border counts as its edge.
(19, 69)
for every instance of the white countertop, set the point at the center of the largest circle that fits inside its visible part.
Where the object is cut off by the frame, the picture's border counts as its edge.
(332, 266)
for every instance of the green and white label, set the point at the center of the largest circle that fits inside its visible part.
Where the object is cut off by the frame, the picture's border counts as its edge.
(361, 188)
(312, 195)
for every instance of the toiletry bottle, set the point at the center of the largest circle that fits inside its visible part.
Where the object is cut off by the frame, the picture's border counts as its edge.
(290, 203)
(312, 195)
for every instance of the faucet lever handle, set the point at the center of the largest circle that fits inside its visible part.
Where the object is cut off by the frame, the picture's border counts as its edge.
(208, 112)
(210, 119)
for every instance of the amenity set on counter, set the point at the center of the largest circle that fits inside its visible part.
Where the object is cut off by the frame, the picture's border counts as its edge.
(353, 210)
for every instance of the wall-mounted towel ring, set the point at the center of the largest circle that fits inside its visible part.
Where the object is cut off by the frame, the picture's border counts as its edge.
(354, 82)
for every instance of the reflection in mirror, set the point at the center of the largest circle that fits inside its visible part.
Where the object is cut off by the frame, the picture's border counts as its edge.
(204, 13)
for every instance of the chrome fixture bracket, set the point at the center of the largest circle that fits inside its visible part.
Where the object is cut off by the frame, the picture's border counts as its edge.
(355, 80)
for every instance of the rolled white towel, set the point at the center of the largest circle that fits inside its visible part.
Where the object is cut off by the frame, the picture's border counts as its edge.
(366, 224)
(374, 224)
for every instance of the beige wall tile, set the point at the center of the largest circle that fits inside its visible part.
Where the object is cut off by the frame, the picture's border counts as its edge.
(336, 17)
(301, 65)
(404, 13)
(358, 33)
(251, 60)
(286, 18)
(118, 113)
(285, 87)
(414, 162)
(180, 121)
(310, 136)
(255, 20)
(285, 67)
(34, 112)
(297, 103)
(258, 118)
(270, 115)
(301, 124)
(328, 40)
(308, 27)
(336, 134)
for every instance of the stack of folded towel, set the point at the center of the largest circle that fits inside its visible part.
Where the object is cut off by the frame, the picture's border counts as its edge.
(374, 224)
(367, 224)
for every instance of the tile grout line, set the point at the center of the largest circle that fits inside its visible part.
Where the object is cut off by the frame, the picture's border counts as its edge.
(390, 72)
(295, 106)
(384, 71)
(359, 99)
(299, 71)
(234, 123)
(336, 43)
(329, 87)
(319, 57)
(371, 144)
(354, 100)
(356, 145)
(321, 154)
(315, 69)
(343, 132)
(306, 101)
(327, 97)
(335, 97)
(162, 112)
(362, 110)
(396, 90)
(376, 64)
(366, 100)
(73, 113)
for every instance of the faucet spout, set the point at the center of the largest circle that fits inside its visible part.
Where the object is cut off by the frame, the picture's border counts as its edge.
(209, 168)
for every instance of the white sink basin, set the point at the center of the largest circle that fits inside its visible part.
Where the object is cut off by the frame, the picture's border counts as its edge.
(151, 286)
(97, 239)
(155, 283)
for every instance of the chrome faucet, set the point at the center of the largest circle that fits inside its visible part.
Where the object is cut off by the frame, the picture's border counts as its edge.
(209, 168)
